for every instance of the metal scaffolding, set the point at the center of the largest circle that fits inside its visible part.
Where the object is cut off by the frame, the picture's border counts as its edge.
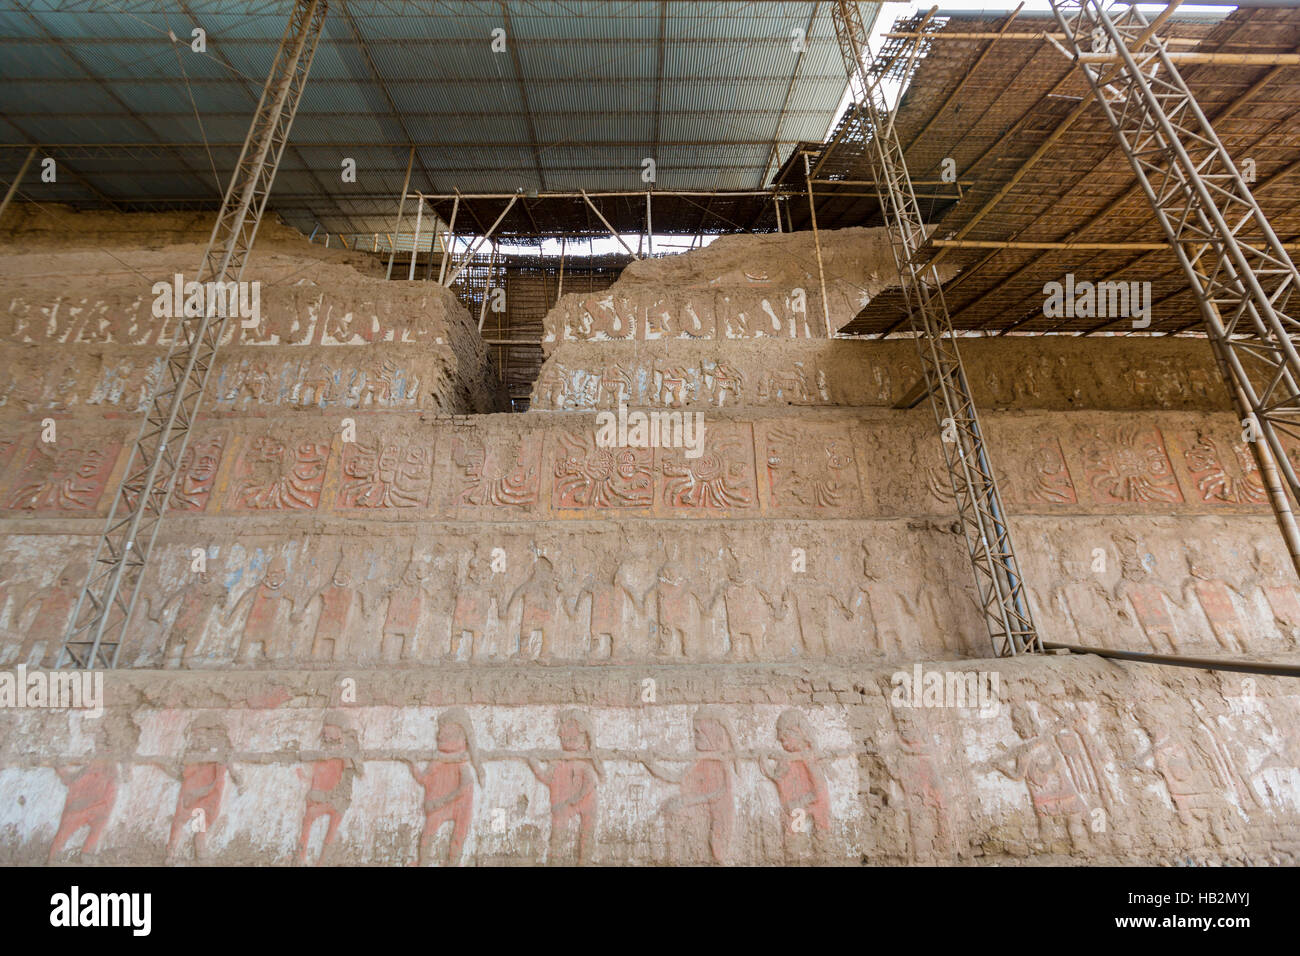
(99, 624)
(1241, 274)
(998, 583)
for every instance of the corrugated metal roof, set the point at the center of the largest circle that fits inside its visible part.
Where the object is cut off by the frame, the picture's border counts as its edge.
(712, 90)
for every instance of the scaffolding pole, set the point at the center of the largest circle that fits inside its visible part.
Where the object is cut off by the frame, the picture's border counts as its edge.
(415, 241)
(18, 178)
(1240, 272)
(450, 242)
(397, 230)
(817, 244)
(998, 583)
(104, 607)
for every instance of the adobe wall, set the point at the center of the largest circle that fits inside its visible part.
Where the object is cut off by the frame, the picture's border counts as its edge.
(1084, 761)
(368, 607)
(327, 315)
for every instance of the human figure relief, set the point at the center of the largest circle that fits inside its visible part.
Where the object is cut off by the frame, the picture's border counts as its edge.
(1055, 794)
(340, 602)
(747, 621)
(202, 772)
(92, 793)
(270, 609)
(54, 606)
(536, 598)
(1215, 598)
(448, 782)
(1147, 598)
(614, 386)
(800, 784)
(183, 614)
(727, 383)
(811, 601)
(469, 617)
(605, 619)
(572, 779)
(675, 385)
(678, 634)
(928, 806)
(553, 387)
(1277, 583)
(405, 607)
(1195, 773)
(705, 804)
(331, 773)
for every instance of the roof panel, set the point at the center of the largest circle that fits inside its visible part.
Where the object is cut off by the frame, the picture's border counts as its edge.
(583, 92)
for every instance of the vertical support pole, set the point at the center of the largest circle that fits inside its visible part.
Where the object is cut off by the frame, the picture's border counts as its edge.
(776, 206)
(560, 290)
(998, 584)
(397, 230)
(487, 288)
(649, 225)
(450, 244)
(13, 186)
(415, 241)
(821, 272)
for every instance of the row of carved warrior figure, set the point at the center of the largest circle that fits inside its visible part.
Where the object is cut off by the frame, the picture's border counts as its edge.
(454, 777)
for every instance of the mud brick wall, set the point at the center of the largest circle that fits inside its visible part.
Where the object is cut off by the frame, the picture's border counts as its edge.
(738, 287)
(515, 537)
(1081, 760)
(1055, 374)
(332, 334)
(467, 638)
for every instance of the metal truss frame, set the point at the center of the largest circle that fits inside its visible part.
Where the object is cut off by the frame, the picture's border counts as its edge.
(998, 583)
(99, 624)
(1240, 272)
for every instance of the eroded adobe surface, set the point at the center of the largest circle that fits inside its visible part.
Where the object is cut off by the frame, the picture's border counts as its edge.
(369, 609)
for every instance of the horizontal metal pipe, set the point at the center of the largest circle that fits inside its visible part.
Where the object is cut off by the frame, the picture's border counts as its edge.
(1176, 660)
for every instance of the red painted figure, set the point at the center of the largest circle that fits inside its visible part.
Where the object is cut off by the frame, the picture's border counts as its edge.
(800, 784)
(448, 782)
(707, 785)
(572, 780)
(331, 784)
(263, 621)
(337, 601)
(203, 783)
(1154, 618)
(92, 790)
(537, 596)
(405, 604)
(1216, 601)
